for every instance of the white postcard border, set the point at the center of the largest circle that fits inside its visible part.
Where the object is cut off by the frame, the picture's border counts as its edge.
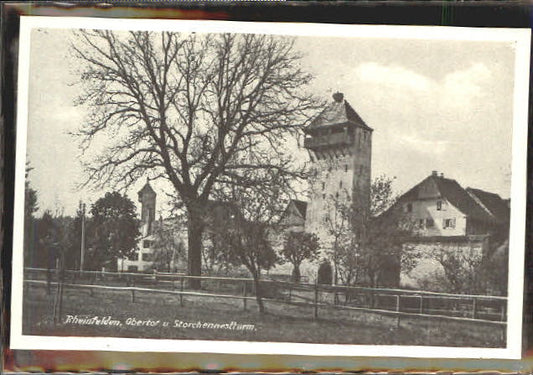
(521, 37)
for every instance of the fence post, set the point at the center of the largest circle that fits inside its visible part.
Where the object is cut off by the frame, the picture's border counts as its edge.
(474, 308)
(421, 304)
(244, 295)
(503, 312)
(290, 292)
(316, 299)
(181, 291)
(398, 310)
(133, 295)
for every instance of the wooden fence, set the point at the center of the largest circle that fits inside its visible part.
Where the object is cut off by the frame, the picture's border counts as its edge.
(393, 302)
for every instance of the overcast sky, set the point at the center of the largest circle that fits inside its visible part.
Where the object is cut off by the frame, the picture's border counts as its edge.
(433, 105)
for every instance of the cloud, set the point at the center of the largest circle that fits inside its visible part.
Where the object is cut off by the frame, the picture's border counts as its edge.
(392, 75)
(423, 145)
(461, 86)
(456, 89)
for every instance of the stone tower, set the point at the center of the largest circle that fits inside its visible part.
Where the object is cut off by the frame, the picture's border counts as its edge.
(147, 197)
(340, 147)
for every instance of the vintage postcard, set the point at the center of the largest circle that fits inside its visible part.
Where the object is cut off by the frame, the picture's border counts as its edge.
(270, 188)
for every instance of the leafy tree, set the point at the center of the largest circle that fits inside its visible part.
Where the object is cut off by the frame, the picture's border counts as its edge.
(299, 246)
(46, 241)
(461, 267)
(369, 245)
(201, 111)
(30, 208)
(495, 269)
(243, 231)
(167, 248)
(471, 269)
(50, 240)
(113, 230)
(30, 195)
(246, 243)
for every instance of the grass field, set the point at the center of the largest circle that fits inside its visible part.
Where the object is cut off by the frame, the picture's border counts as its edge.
(281, 323)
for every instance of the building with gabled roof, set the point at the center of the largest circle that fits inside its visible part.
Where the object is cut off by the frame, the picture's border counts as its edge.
(449, 218)
(439, 206)
(293, 218)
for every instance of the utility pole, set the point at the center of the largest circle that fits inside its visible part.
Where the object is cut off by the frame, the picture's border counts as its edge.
(82, 250)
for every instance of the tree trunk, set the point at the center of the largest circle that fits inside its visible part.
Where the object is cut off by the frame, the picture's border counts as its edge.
(258, 295)
(296, 276)
(194, 252)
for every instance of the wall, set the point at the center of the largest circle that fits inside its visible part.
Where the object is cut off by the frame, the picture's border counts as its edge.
(427, 209)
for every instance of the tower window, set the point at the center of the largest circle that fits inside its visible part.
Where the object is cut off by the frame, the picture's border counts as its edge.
(340, 184)
(323, 185)
(323, 196)
(336, 194)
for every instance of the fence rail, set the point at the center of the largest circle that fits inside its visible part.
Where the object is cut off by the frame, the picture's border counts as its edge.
(385, 301)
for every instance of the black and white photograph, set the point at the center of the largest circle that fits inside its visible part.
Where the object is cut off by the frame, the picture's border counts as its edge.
(215, 186)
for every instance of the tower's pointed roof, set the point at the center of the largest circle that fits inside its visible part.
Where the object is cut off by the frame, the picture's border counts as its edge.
(146, 189)
(338, 112)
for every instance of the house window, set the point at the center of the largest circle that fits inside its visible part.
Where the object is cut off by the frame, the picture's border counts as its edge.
(340, 184)
(134, 256)
(133, 268)
(323, 185)
(430, 223)
(147, 257)
(345, 167)
(147, 244)
(421, 223)
(323, 196)
(336, 194)
(409, 207)
(439, 205)
(448, 223)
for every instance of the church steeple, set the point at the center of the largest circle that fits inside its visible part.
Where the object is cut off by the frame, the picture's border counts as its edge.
(147, 197)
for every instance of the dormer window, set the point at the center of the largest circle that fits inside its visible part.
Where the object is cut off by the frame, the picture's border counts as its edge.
(439, 205)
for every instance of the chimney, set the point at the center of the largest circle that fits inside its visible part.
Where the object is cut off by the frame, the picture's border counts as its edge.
(338, 97)
(434, 173)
